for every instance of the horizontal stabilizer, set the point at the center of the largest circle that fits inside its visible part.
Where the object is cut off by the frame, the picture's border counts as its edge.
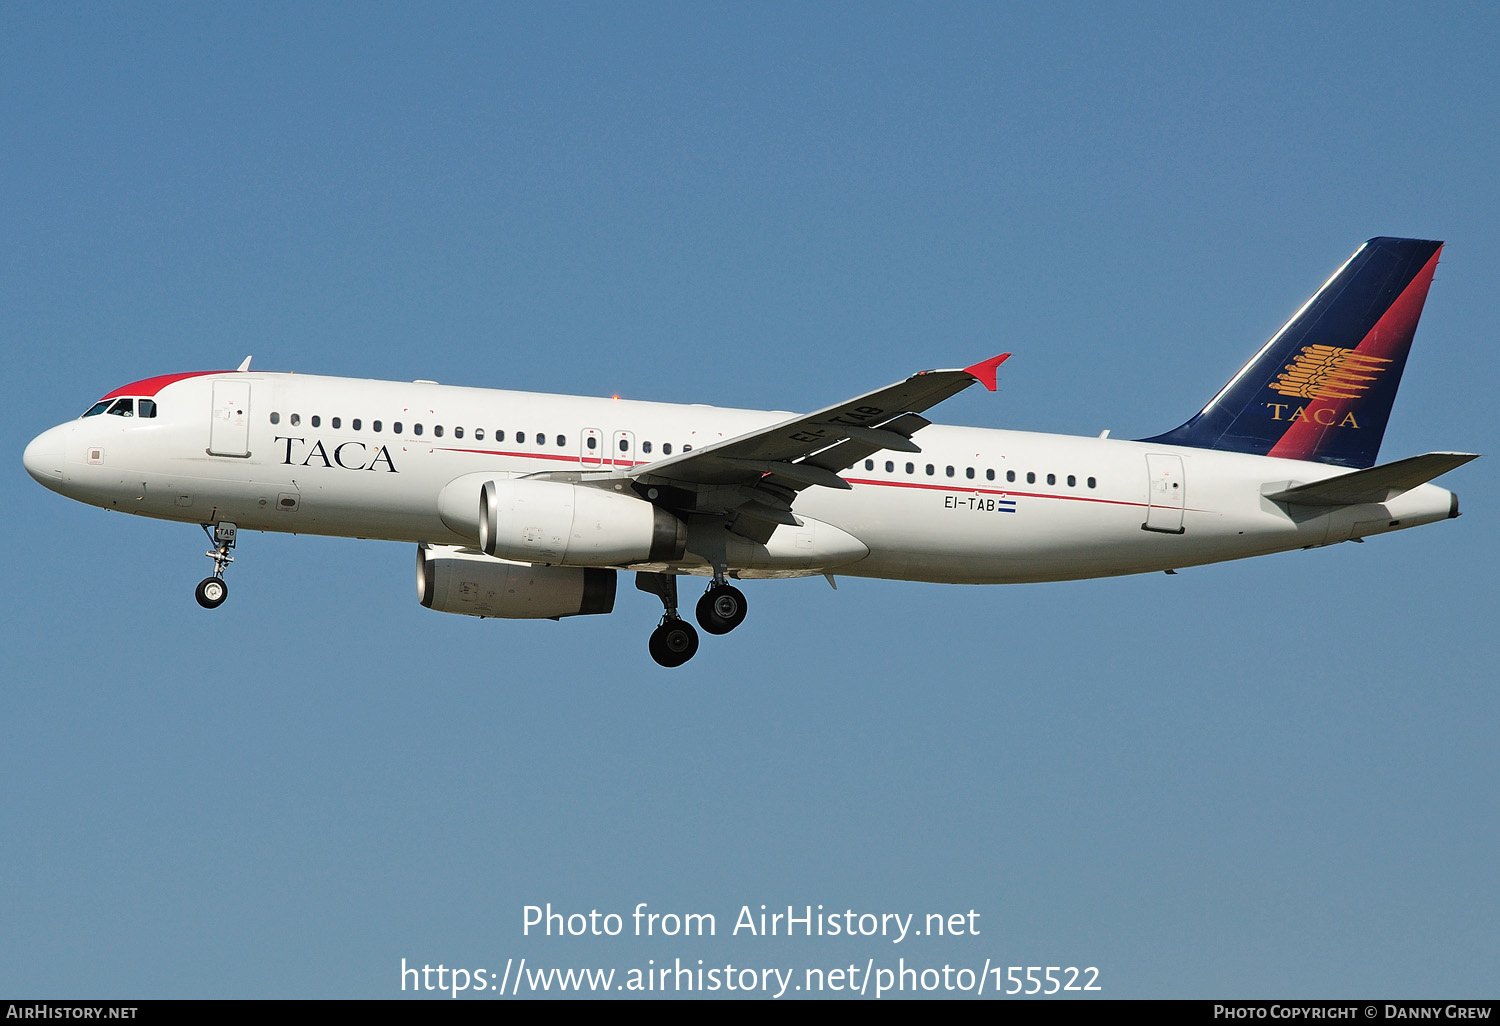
(1377, 484)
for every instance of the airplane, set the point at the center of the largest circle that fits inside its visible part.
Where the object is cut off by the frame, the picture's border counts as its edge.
(528, 506)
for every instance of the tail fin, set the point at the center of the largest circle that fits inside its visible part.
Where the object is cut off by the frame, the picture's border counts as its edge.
(1322, 388)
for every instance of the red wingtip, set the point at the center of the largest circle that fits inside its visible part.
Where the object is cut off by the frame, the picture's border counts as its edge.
(985, 370)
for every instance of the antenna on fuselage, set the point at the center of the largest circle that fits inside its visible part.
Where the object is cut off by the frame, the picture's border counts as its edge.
(244, 366)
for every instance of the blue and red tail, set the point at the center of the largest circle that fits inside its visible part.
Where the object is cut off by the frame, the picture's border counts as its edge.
(1323, 387)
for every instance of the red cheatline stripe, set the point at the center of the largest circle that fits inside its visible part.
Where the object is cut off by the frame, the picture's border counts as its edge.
(1392, 333)
(959, 490)
(541, 456)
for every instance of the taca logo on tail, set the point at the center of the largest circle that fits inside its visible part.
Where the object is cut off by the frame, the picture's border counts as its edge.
(1322, 388)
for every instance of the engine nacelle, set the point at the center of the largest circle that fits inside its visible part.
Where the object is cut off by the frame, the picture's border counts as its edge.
(575, 525)
(457, 580)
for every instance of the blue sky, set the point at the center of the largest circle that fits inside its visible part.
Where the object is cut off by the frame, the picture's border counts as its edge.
(1263, 779)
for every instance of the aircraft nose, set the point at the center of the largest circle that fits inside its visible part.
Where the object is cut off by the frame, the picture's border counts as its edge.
(44, 457)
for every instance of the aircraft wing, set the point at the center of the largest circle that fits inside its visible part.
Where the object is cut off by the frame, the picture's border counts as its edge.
(755, 476)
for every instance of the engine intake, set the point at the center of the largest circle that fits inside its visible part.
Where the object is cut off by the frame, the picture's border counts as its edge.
(457, 580)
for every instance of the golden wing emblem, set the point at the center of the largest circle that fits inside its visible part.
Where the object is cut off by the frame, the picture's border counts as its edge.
(1328, 372)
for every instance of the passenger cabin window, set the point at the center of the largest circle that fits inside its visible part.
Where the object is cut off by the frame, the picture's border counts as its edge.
(355, 423)
(336, 423)
(562, 441)
(317, 421)
(396, 426)
(417, 428)
(296, 419)
(666, 448)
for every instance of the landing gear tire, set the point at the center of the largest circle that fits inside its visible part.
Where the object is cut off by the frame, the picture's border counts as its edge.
(211, 593)
(721, 609)
(673, 642)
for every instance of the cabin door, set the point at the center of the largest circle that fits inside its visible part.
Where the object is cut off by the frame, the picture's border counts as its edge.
(1167, 491)
(229, 428)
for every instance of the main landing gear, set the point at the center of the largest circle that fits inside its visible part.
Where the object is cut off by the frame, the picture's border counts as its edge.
(212, 591)
(721, 609)
(674, 641)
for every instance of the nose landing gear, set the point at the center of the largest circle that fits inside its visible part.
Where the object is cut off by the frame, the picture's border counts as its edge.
(212, 591)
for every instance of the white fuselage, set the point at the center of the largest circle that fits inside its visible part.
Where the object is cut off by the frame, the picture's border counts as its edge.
(302, 454)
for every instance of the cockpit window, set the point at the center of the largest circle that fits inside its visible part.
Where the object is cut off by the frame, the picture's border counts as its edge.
(123, 408)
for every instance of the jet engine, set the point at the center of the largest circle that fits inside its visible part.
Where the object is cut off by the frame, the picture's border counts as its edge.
(458, 580)
(574, 525)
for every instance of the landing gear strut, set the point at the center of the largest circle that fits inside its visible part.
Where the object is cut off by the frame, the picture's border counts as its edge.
(212, 591)
(674, 641)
